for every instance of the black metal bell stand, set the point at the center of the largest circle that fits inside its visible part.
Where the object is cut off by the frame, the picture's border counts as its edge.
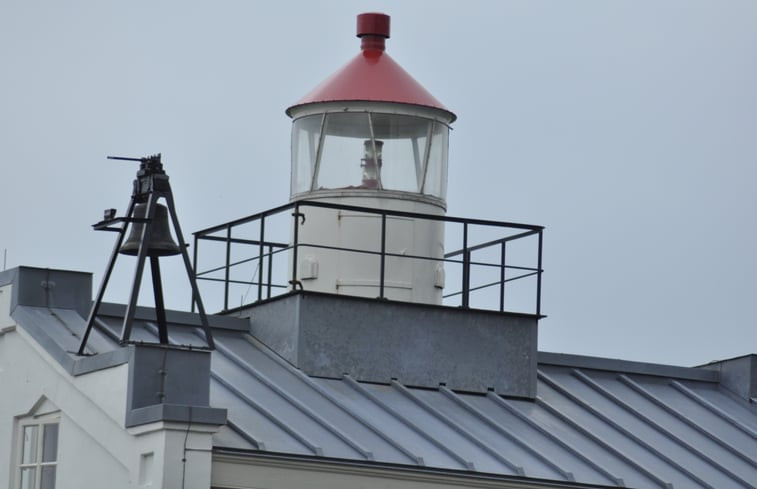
(150, 185)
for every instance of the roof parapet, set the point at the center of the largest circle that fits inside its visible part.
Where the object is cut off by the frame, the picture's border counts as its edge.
(47, 287)
(738, 375)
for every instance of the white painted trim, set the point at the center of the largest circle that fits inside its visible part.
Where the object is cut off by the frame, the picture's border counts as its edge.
(250, 471)
(304, 110)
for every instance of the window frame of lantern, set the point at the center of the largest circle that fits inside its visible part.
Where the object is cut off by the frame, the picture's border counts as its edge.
(432, 115)
(318, 153)
(426, 156)
(379, 185)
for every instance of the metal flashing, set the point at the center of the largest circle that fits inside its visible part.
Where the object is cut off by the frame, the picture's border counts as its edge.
(169, 384)
(178, 318)
(178, 413)
(738, 375)
(627, 366)
(57, 289)
(108, 359)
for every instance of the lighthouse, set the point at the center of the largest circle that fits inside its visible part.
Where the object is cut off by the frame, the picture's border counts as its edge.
(370, 136)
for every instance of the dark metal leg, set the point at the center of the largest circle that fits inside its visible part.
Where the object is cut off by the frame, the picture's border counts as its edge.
(190, 275)
(131, 308)
(104, 284)
(160, 310)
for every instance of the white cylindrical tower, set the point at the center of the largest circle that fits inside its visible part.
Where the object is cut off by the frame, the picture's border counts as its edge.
(371, 136)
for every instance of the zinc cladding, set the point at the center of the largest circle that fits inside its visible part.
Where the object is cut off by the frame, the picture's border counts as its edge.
(594, 421)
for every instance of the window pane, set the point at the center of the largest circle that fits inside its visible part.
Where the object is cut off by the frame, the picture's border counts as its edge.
(404, 144)
(343, 150)
(27, 477)
(305, 137)
(29, 450)
(50, 443)
(48, 477)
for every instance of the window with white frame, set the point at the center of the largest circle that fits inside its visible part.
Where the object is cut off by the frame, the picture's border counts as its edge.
(37, 453)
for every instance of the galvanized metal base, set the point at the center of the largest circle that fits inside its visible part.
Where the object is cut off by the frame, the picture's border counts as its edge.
(328, 335)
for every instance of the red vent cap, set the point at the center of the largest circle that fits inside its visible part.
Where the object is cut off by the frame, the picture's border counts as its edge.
(373, 24)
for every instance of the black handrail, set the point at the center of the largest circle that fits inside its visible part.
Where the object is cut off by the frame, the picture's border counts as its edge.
(264, 255)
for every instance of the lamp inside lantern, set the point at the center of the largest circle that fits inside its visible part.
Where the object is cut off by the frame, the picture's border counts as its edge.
(371, 163)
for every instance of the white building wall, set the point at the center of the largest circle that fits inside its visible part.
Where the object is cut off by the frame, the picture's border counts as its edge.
(94, 448)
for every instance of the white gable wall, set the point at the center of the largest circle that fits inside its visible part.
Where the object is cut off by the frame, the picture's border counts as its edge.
(93, 447)
(94, 450)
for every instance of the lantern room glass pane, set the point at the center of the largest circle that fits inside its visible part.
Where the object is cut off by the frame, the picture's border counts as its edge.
(305, 139)
(436, 174)
(404, 146)
(361, 150)
(341, 164)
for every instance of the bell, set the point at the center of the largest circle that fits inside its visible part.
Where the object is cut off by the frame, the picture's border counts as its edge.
(161, 243)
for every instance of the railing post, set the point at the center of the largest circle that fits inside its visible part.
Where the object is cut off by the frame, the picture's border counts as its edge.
(228, 269)
(466, 267)
(503, 255)
(538, 279)
(270, 270)
(260, 258)
(295, 243)
(383, 255)
(194, 271)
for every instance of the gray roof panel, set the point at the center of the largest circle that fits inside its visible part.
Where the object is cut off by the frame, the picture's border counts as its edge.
(595, 421)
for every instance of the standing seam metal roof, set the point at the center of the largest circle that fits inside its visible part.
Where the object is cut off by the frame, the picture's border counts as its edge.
(596, 422)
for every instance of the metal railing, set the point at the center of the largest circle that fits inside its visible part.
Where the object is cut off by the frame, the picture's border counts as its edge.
(269, 242)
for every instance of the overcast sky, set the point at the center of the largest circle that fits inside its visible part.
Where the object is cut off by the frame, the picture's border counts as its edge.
(627, 128)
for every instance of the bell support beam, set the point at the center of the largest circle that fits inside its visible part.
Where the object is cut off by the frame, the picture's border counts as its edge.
(196, 299)
(131, 308)
(106, 278)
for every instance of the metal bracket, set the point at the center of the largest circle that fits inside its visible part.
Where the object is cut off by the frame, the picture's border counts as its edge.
(300, 215)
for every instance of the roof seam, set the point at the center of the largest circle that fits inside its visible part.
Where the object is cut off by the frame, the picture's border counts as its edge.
(259, 445)
(641, 468)
(645, 419)
(320, 390)
(617, 480)
(465, 434)
(402, 419)
(712, 408)
(367, 454)
(501, 430)
(655, 400)
(104, 329)
(317, 450)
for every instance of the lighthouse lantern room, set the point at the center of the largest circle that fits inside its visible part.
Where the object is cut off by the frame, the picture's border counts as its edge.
(371, 136)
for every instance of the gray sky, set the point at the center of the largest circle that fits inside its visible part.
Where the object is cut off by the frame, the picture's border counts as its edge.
(627, 128)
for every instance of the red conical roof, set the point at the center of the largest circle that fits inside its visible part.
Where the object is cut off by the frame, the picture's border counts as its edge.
(372, 75)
